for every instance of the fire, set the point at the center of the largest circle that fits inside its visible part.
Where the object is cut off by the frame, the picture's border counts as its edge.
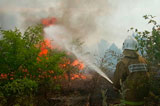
(48, 21)
(44, 45)
(80, 65)
(73, 76)
(3, 76)
(78, 76)
(67, 62)
(75, 63)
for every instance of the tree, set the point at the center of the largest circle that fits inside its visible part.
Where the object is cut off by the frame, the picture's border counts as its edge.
(149, 41)
(19, 54)
(17, 50)
(149, 47)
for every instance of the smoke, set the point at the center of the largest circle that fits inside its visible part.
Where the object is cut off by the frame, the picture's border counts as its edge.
(89, 19)
(80, 17)
(62, 37)
(77, 20)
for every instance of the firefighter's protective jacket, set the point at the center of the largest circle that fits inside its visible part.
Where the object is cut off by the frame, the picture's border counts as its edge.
(135, 83)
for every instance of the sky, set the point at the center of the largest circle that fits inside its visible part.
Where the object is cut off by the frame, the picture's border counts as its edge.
(91, 20)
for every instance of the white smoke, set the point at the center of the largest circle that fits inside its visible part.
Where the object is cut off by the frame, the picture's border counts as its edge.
(95, 19)
(62, 37)
(81, 18)
(89, 20)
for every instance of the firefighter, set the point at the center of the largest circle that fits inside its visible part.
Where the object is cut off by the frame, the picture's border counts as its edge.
(131, 75)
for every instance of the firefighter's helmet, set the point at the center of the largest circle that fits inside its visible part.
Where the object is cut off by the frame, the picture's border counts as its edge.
(130, 43)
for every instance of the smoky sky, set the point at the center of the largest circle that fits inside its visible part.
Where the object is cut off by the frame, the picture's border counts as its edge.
(91, 20)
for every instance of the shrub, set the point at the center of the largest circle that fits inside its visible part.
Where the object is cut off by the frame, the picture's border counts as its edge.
(20, 91)
(149, 47)
(149, 42)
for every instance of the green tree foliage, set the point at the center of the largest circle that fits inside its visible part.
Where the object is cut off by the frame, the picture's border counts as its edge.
(18, 51)
(23, 71)
(19, 55)
(19, 92)
(149, 41)
(20, 87)
(149, 46)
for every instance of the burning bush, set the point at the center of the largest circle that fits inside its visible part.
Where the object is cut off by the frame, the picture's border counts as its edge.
(27, 56)
(30, 56)
(19, 54)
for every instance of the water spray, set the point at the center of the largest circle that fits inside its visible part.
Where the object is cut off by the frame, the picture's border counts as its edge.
(92, 66)
(62, 37)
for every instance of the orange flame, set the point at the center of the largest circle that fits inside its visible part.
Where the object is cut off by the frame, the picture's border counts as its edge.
(73, 76)
(48, 21)
(44, 45)
(80, 65)
(75, 63)
(78, 76)
(47, 44)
